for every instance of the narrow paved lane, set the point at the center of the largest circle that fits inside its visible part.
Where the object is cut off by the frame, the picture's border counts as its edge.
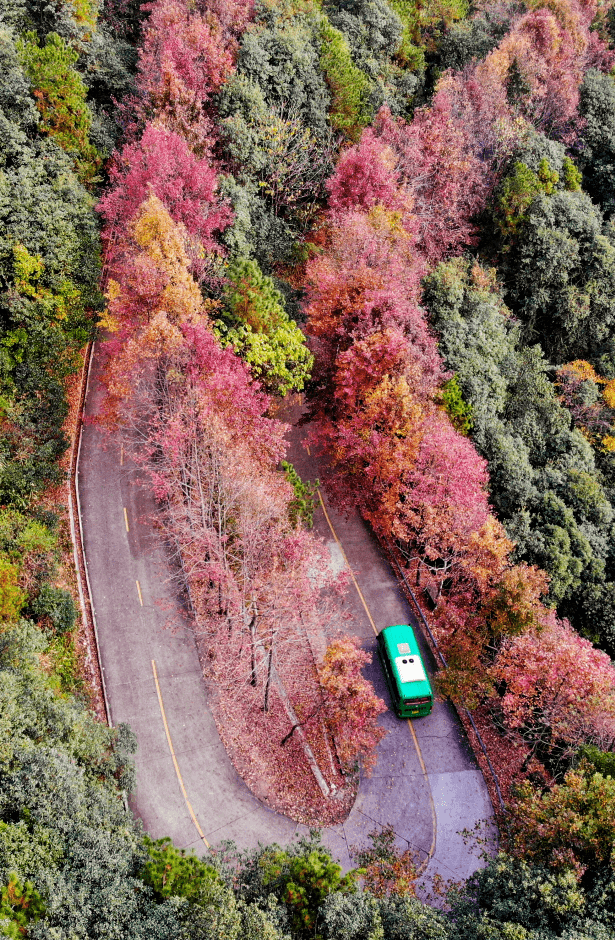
(141, 622)
(426, 784)
(427, 787)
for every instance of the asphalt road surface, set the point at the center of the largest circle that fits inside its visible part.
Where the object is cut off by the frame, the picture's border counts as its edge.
(426, 783)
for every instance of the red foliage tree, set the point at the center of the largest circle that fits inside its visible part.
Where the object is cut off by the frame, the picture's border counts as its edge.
(539, 65)
(444, 493)
(426, 170)
(437, 162)
(559, 689)
(156, 311)
(162, 163)
(439, 169)
(150, 296)
(183, 61)
(365, 176)
(491, 601)
(367, 281)
(374, 427)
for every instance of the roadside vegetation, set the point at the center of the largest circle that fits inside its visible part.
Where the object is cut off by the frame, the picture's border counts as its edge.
(403, 212)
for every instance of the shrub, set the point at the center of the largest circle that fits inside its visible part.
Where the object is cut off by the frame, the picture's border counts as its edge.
(12, 598)
(301, 508)
(458, 410)
(56, 605)
(301, 876)
(172, 872)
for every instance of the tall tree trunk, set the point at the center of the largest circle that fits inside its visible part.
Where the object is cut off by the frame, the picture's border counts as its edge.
(269, 671)
(252, 629)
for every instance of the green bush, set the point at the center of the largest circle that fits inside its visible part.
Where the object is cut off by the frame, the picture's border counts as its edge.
(299, 876)
(56, 605)
(602, 761)
(301, 508)
(458, 410)
(173, 872)
(597, 106)
(20, 905)
(373, 32)
(12, 597)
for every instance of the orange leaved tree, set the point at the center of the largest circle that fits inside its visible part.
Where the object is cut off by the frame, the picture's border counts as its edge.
(351, 705)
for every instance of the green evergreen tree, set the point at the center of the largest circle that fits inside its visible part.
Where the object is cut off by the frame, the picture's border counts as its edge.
(350, 109)
(256, 324)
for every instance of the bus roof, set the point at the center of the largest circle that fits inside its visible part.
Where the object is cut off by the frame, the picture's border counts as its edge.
(405, 656)
(400, 635)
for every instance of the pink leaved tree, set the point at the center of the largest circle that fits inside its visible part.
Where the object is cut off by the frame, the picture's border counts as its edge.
(558, 689)
(427, 171)
(183, 61)
(161, 163)
(366, 176)
(373, 428)
(444, 494)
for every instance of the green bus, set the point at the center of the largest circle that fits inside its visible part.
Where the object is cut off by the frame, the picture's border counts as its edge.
(405, 672)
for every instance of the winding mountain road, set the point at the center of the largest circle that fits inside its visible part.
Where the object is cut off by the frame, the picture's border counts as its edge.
(426, 783)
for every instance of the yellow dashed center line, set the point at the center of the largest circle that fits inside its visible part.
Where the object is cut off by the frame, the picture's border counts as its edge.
(434, 820)
(162, 711)
(354, 580)
(122, 456)
(172, 750)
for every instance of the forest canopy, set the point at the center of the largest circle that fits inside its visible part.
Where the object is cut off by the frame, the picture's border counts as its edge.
(402, 211)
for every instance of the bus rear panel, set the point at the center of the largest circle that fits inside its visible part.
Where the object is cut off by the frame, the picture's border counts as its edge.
(405, 672)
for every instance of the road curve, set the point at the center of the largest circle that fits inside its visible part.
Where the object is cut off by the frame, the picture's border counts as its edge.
(426, 783)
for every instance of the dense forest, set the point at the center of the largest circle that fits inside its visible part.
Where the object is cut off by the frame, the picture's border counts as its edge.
(403, 211)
